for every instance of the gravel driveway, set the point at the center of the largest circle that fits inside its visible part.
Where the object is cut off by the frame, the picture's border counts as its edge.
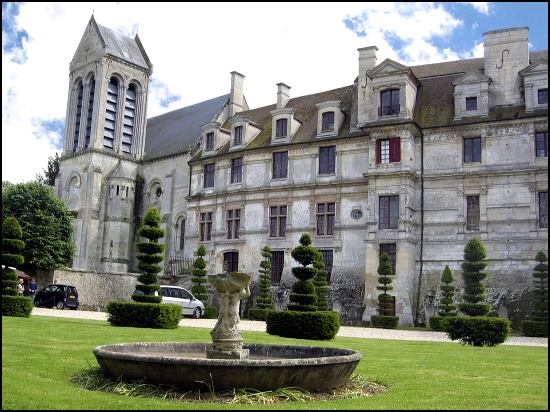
(347, 331)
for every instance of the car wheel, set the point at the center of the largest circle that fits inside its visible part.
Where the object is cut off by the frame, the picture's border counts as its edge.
(196, 313)
(60, 305)
(37, 303)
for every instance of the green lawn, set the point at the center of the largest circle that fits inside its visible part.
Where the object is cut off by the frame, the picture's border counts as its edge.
(40, 354)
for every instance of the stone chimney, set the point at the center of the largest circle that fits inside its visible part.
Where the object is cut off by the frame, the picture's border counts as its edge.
(506, 53)
(283, 95)
(367, 61)
(236, 96)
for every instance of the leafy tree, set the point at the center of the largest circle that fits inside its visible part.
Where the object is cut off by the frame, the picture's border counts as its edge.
(321, 285)
(12, 246)
(472, 272)
(303, 297)
(446, 308)
(49, 175)
(265, 299)
(47, 224)
(149, 256)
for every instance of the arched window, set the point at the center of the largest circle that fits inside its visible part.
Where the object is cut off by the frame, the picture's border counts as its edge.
(180, 234)
(90, 112)
(110, 114)
(129, 116)
(78, 117)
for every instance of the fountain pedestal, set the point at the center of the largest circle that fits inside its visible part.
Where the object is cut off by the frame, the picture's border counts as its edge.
(228, 346)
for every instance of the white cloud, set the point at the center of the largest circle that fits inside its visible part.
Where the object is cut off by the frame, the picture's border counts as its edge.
(480, 6)
(195, 46)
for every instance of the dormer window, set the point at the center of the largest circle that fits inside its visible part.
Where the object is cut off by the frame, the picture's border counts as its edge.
(327, 122)
(471, 103)
(389, 103)
(281, 130)
(209, 141)
(238, 139)
(543, 96)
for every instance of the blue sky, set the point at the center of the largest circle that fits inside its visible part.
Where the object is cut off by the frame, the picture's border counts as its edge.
(195, 46)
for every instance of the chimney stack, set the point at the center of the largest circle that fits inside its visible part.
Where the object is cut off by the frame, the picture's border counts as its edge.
(236, 96)
(283, 95)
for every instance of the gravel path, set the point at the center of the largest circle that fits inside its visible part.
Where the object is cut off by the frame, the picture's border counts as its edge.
(347, 331)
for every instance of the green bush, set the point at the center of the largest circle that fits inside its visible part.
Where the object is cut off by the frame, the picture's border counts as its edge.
(435, 322)
(320, 325)
(477, 331)
(143, 315)
(210, 312)
(257, 314)
(20, 306)
(384, 322)
(265, 298)
(534, 328)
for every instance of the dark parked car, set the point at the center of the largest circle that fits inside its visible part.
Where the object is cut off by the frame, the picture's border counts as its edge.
(59, 296)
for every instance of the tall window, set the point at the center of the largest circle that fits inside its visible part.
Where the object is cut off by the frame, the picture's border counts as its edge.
(281, 130)
(129, 116)
(389, 212)
(543, 96)
(209, 141)
(231, 261)
(78, 117)
(280, 165)
(325, 218)
(327, 122)
(277, 221)
(277, 264)
(238, 135)
(471, 103)
(388, 150)
(472, 213)
(389, 103)
(541, 144)
(390, 249)
(543, 209)
(209, 174)
(205, 227)
(328, 261)
(90, 113)
(472, 150)
(327, 160)
(233, 223)
(237, 170)
(110, 114)
(182, 234)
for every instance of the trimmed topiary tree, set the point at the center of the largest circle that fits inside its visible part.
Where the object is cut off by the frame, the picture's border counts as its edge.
(321, 285)
(12, 246)
(145, 311)
(265, 298)
(446, 306)
(302, 320)
(537, 326)
(474, 328)
(385, 318)
(199, 280)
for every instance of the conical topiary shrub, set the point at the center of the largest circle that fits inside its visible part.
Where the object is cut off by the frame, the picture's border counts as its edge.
(385, 318)
(264, 301)
(537, 326)
(474, 328)
(12, 246)
(199, 279)
(446, 306)
(302, 320)
(321, 285)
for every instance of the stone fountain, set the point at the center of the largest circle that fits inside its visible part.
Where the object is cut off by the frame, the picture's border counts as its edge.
(227, 363)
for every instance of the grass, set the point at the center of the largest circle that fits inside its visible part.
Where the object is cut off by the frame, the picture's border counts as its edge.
(45, 360)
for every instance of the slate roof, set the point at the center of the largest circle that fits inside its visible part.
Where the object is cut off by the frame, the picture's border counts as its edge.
(123, 47)
(171, 133)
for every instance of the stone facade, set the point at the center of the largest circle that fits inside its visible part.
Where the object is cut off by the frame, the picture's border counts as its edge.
(397, 161)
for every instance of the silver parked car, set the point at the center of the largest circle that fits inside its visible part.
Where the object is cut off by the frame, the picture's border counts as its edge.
(190, 305)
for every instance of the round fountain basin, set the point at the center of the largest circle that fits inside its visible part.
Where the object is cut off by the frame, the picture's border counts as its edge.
(268, 367)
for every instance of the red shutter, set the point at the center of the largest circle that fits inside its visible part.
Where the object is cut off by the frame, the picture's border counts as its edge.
(378, 151)
(395, 149)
